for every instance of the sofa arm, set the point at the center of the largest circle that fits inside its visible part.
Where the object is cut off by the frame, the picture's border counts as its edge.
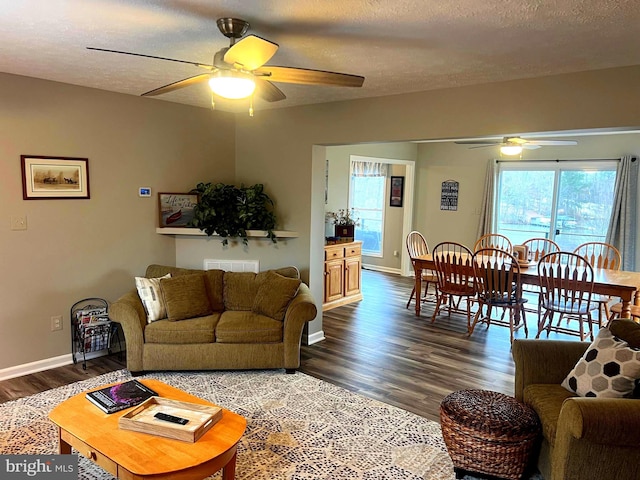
(609, 421)
(129, 312)
(597, 438)
(301, 310)
(544, 361)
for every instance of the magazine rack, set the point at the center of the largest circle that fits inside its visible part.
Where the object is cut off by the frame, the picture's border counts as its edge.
(91, 328)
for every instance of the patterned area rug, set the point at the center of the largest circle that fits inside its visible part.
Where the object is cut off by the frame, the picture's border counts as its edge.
(298, 428)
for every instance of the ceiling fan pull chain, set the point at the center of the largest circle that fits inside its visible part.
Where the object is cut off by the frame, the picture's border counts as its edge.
(251, 106)
(213, 103)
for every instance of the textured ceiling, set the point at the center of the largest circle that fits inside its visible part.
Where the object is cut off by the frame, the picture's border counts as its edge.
(399, 46)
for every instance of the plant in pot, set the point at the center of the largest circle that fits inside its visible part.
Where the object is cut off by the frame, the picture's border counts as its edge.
(344, 221)
(229, 211)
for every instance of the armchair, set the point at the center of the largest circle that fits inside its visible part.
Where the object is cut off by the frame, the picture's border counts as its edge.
(583, 438)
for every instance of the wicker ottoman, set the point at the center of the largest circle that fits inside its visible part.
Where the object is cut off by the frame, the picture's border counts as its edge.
(488, 433)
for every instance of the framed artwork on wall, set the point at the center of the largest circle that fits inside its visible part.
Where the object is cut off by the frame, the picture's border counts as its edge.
(176, 209)
(397, 191)
(54, 177)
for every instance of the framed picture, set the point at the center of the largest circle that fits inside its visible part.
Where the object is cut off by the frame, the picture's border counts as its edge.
(176, 209)
(397, 191)
(54, 177)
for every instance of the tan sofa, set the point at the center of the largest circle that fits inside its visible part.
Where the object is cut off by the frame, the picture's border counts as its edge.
(242, 321)
(583, 438)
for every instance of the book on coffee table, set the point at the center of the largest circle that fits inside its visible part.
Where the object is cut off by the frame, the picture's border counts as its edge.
(118, 397)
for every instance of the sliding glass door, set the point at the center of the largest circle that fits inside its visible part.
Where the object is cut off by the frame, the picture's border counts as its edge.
(568, 202)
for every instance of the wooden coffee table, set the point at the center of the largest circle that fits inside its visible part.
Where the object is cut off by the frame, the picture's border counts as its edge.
(132, 455)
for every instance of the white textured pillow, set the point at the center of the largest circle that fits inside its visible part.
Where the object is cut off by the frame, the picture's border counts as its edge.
(151, 296)
(608, 369)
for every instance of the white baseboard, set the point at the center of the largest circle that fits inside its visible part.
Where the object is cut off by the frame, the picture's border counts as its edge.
(315, 337)
(378, 268)
(45, 364)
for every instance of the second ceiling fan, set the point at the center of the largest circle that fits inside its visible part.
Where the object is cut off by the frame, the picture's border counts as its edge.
(239, 70)
(515, 145)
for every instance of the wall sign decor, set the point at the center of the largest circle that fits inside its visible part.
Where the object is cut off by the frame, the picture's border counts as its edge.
(397, 191)
(176, 209)
(54, 177)
(449, 195)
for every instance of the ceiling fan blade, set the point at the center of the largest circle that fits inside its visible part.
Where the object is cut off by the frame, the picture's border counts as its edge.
(479, 142)
(201, 65)
(251, 52)
(268, 91)
(515, 141)
(552, 142)
(530, 146)
(309, 77)
(485, 145)
(203, 77)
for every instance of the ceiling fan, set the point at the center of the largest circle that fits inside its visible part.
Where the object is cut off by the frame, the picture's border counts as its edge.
(239, 70)
(515, 145)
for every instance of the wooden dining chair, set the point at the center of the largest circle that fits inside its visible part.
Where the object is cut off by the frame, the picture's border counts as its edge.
(537, 248)
(498, 284)
(416, 246)
(601, 255)
(494, 240)
(566, 279)
(454, 270)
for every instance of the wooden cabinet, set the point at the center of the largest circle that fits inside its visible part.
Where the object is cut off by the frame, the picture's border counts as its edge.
(342, 274)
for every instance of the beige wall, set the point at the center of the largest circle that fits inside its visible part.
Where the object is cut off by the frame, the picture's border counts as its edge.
(276, 147)
(74, 249)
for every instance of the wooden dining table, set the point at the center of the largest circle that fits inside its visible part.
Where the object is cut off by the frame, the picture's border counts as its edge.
(614, 283)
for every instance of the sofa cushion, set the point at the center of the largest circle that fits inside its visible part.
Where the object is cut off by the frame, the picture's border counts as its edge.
(247, 327)
(151, 297)
(546, 400)
(215, 288)
(627, 330)
(609, 369)
(185, 296)
(240, 289)
(274, 295)
(193, 330)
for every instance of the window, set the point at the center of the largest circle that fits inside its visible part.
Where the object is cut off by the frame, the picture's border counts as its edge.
(367, 198)
(568, 202)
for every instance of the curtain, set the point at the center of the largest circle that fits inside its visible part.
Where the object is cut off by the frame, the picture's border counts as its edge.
(485, 225)
(368, 169)
(622, 229)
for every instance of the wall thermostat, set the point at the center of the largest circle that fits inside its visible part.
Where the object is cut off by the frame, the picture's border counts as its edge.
(144, 191)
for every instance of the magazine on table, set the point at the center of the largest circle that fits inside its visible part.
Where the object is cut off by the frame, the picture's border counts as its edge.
(118, 397)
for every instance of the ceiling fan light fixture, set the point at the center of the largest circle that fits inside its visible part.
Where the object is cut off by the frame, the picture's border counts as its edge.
(232, 84)
(511, 149)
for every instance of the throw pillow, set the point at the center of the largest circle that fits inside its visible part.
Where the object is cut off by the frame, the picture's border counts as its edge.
(627, 330)
(185, 297)
(151, 297)
(609, 369)
(274, 295)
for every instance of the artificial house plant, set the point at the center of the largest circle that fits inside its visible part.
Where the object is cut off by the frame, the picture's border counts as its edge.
(229, 211)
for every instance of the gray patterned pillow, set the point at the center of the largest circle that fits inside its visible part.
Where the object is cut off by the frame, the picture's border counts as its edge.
(151, 297)
(608, 369)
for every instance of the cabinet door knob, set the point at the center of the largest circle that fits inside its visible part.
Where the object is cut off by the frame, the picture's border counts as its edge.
(91, 455)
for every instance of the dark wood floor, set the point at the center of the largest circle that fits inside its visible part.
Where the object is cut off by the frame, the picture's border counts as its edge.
(375, 347)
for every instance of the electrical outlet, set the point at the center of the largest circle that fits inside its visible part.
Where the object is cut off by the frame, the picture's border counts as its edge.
(56, 323)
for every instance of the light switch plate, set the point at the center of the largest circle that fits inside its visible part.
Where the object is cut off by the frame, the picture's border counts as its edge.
(19, 223)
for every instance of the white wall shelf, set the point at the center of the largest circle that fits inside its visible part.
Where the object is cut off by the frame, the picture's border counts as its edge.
(198, 232)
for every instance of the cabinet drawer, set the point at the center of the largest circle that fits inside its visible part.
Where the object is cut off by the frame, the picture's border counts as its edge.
(353, 251)
(91, 453)
(333, 252)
